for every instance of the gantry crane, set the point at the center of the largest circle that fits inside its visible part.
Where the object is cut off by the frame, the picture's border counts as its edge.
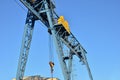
(58, 28)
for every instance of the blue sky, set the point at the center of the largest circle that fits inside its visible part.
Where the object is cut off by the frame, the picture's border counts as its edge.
(95, 23)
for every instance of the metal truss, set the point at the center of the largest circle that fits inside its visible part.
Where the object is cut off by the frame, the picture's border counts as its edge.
(26, 41)
(43, 10)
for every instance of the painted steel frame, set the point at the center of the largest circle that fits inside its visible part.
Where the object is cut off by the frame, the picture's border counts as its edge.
(70, 41)
(26, 41)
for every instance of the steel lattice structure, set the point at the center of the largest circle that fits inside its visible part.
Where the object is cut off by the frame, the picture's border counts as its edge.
(43, 10)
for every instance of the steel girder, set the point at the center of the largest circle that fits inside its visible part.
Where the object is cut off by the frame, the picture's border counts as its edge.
(43, 12)
(26, 41)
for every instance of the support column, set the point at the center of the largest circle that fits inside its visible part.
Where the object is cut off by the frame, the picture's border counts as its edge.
(57, 44)
(25, 47)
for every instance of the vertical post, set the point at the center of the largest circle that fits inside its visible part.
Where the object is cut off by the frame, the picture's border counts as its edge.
(57, 43)
(70, 63)
(86, 63)
(26, 41)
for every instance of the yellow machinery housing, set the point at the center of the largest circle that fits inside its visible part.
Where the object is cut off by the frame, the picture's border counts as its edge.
(64, 23)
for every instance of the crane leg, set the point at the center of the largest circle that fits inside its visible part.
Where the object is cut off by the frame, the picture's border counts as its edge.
(57, 41)
(26, 41)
